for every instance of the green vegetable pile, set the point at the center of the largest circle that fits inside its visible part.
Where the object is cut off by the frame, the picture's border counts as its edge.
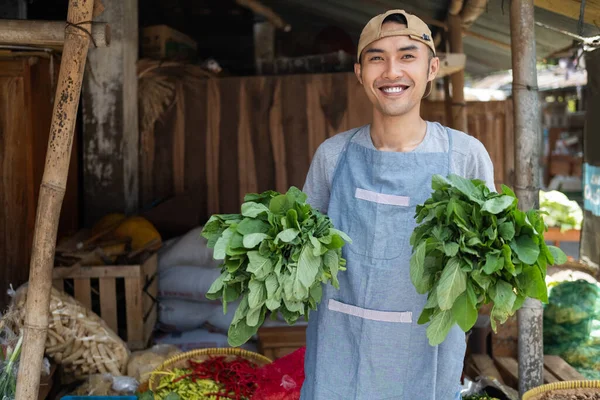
(560, 211)
(277, 255)
(472, 247)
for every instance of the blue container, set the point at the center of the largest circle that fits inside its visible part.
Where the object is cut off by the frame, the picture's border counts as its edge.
(99, 398)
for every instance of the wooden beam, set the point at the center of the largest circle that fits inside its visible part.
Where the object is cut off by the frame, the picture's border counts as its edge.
(259, 8)
(571, 9)
(471, 11)
(46, 34)
(455, 7)
(51, 197)
(459, 107)
(495, 42)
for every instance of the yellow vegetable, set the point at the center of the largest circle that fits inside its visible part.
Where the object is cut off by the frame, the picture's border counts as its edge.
(140, 230)
(107, 221)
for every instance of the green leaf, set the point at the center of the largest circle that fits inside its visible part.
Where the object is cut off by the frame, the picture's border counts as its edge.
(497, 204)
(317, 245)
(425, 316)
(506, 230)
(534, 283)
(252, 209)
(493, 263)
(331, 261)
(471, 293)
(439, 327)
(417, 268)
(466, 187)
(452, 283)
(271, 284)
(464, 312)
(257, 295)
(288, 235)
(432, 301)
(451, 249)
(316, 292)
(482, 280)
(253, 316)
(308, 266)
(346, 238)
(220, 250)
(559, 257)
(254, 239)
(217, 286)
(508, 264)
(240, 333)
(259, 265)
(251, 225)
(439, 182)
(526, 249)
(503, 296)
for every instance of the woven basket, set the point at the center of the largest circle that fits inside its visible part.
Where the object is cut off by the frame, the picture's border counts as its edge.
(529, 395)
(180, 361)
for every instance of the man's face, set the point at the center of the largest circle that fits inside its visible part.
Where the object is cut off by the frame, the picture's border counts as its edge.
(395, 71)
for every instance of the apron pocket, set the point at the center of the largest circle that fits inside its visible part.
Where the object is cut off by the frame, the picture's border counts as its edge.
(378, 224)
(379, 346)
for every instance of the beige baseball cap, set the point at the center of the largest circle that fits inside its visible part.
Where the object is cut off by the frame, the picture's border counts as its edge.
(415, 28)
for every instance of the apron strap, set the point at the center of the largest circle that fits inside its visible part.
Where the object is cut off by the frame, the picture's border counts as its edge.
(450, 147)
(342, 157)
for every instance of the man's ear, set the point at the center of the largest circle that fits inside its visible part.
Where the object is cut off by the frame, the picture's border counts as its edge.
(357, 72)
(434, 68)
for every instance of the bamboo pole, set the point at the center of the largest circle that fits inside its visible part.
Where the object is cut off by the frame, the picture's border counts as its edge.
(528, 136)
(46, 33)
(51, 197)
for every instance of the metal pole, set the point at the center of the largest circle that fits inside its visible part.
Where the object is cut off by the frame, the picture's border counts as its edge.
(528, 136)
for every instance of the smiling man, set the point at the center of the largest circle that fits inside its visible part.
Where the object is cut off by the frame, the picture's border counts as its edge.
(364, 342)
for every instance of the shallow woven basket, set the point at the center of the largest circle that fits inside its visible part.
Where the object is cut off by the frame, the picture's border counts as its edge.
(560, 385)
(180, 361)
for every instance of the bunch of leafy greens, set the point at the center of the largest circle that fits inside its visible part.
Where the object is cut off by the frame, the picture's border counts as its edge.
(277, 255)
(560, 211)
(474, 246)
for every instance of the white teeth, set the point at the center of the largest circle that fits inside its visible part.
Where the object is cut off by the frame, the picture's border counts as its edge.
(395, 89)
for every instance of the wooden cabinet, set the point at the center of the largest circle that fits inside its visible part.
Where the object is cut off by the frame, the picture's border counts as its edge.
(27, 86)
(279, 341)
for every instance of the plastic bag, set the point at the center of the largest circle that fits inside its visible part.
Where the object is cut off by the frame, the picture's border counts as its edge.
(490, 386)
(142, 363)
(572, 325)
(282, 379)
(107, 385)
(77, 338)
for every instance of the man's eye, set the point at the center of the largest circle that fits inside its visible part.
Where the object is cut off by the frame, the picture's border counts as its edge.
(376, 58)
(407, 56)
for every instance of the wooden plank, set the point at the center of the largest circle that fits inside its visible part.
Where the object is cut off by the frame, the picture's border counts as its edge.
(117, 271)
(245, 148)
(295, 128)
(360, 109)
(213, 130)
(108, 302)
(135, 323)
(83, 292)
(278, 139)
(561, 369)
(316, 121)
(260, 92)
(571, 9)
(179, 140)
(485, 366)
(229, 180)
(509, 368)
(196, 134)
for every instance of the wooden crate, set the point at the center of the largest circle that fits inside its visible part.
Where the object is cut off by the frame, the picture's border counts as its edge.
(122, 295)
(277, 342)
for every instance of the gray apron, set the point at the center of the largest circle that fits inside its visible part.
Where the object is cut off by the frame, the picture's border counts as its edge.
(364, 342)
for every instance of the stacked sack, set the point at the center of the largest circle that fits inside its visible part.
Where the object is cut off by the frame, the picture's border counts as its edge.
(187, 319)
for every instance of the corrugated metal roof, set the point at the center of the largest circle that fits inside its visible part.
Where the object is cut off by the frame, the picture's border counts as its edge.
(482, 56)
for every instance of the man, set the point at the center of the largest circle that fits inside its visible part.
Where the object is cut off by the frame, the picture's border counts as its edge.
(364, 341)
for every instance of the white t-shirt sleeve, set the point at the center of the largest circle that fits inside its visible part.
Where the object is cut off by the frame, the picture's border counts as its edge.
(317, 183)
(480, 165)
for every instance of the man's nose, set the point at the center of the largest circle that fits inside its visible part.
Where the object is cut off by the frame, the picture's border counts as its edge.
(393, 70)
